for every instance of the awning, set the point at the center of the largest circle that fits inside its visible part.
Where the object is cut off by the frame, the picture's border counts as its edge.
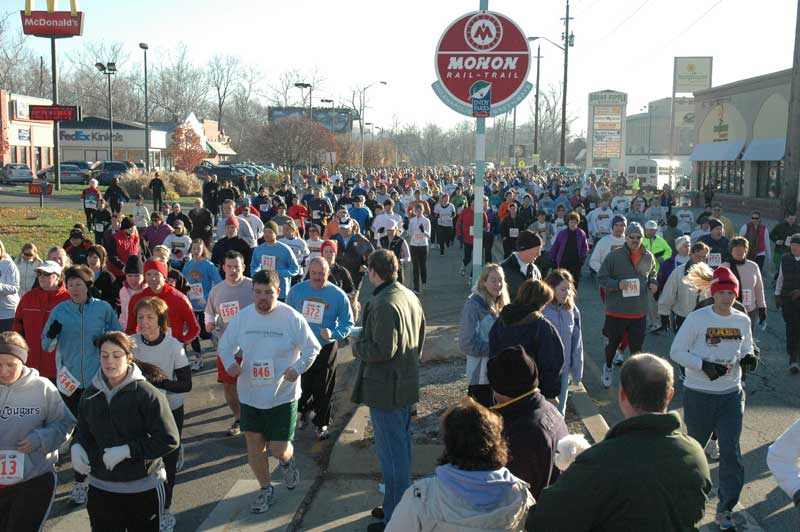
(718, 151)
(765, 150)
(220, 148)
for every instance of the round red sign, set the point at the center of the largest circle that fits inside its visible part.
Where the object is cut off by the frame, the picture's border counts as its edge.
(483, 52)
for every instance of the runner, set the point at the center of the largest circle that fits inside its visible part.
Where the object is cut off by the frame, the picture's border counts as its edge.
(787, 299)
(444, 213)
(29, 441)
(327, 310)
(419, 230)
(277, 347)
(224, 302)
(231, 242)
(397, 245)
(275, 256)
(202, 276)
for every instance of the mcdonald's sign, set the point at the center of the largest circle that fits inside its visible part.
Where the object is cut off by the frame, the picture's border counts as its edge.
(52, 23)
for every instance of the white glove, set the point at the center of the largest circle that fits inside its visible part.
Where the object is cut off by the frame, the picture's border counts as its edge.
(80, 460)
(114, 455)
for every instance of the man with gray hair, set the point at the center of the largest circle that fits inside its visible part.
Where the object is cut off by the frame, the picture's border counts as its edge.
(645, 471)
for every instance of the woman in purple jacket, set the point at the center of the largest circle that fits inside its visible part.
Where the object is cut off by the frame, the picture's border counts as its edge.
(570, 248)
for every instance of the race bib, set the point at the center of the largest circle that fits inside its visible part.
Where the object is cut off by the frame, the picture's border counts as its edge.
(592, 205)
(263, 207)
(471, 230)
(513, 232)
(90, 203)
(98, 228)
(747, 297)
(268, 262)
(228, 310)
(419, 238)
(196, 291)
(632, 288)
(714, 259)
(445, 219)
(12, 467)
(67, 383)
(316, 215)
(262, 372)
(313, 311)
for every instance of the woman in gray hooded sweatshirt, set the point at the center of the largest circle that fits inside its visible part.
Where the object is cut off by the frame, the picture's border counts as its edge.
(34, 422)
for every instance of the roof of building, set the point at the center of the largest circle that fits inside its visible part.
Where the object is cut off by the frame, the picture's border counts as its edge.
(99, 122)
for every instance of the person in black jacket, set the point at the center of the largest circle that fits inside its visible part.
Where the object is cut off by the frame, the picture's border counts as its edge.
(177, 214)
(519, 266)
(202, 223)
(532, 426)
(522, 323)
(231, 242)
(125, 427)
(116, 196)
(158, 189)
(104, 281)
(211, 194)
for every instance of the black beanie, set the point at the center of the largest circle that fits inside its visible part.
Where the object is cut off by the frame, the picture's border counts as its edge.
(134, 265)
(528, 240)
(126, 223)
(512, 372)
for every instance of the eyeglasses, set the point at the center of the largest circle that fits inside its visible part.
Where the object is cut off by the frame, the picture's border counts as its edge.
(27, 255)
(755, 218)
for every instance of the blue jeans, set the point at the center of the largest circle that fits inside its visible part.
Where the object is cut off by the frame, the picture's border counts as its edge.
(705, 413)
(562, 398)
(393, 445)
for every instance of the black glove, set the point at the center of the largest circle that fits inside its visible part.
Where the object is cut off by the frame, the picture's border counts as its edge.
(778, 301)
(749, 362)
(381, 230)
(713, 370)
(54, 330)
(421, 228)
(762, 314)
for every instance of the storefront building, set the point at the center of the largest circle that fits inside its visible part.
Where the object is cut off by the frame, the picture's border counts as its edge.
(741, 139)
(30, 141)
(88, 140)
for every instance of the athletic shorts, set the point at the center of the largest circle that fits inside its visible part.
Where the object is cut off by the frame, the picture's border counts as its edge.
(276, 423)
(222, 375)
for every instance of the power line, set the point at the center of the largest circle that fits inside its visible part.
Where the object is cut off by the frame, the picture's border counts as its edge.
(698, 19)
(618, 26)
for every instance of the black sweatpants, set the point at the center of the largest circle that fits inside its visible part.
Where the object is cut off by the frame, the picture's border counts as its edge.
(318, 384)
(615, 328)
(419, 264)
(467, 254)
(791, 317)
(171, 460)
(125, 512)
(24, 507)
(72, 403)
(201, 319)
(444, 236)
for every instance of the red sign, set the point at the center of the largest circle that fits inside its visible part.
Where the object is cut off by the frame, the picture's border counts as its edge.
(54, 112)
(52, 24)
(36, 189)
(487, 47)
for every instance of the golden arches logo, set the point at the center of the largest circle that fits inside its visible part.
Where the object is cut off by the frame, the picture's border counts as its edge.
(51, 7)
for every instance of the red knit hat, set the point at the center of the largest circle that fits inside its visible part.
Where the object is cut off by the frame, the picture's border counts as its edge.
(329, 244)
(232, 220)
(155, 265)
(723, 279)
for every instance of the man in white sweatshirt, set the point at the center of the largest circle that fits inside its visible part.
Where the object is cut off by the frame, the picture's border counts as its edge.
(714, 344)
(277, 346)
(608, 243)
(599, 221)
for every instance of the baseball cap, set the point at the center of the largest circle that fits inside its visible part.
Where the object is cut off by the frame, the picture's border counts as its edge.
(50, 266)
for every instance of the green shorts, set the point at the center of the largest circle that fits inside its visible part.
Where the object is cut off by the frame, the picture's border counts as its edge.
(276, 423)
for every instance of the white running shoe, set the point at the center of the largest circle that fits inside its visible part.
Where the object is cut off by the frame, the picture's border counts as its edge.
(712, 450)
(724, 520)
(197, 363)
(79, 494)
(608, 374)
(291, 476)
(619, 358)
(235, 429)
(263, 500)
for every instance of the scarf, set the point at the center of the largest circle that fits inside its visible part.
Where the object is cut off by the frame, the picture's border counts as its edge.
(753, 234)
(734, 268)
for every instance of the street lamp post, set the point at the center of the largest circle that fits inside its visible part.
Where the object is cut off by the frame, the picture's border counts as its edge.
(108, 70)
(361, 114)
(333, 114)
(144, 47)
(301, 86)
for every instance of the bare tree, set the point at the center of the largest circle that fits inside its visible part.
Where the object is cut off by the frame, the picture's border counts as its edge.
(179, 87)
(223, 74)
(282, 90)
(14, 54)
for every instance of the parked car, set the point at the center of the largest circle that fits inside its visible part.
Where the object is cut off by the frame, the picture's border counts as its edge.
(16, 173)
(83, 165)
(104, 171)
(69, 174)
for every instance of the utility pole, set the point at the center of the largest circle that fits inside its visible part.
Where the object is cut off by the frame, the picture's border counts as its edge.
(536, 111)
(56, 124)
(791, 174)
(567, 42)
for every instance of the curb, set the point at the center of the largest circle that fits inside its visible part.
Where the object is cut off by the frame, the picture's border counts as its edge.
(588, 413)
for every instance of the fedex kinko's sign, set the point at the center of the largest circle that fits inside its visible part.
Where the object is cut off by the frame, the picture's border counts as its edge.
(482, 53)
(52, 23)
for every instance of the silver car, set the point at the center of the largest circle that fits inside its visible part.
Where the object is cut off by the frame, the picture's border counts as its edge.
(16, 173)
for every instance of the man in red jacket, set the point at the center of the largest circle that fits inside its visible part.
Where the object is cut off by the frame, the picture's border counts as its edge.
(181, 317)
(123, 243)
(464, 230)
(34, 310)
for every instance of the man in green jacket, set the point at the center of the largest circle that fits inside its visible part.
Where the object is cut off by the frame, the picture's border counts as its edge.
(388, 351)
(645, 475)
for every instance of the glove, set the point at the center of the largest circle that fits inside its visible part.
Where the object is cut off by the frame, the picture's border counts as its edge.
(778, 301)
(114, 455)
(80, 460)
(749, 362)
(421, 228)
(762, 314)
(713, 370)
(381, 230)
(54, 330)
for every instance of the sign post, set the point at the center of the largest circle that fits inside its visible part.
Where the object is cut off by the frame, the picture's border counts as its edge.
(482, 63)
(689, 74)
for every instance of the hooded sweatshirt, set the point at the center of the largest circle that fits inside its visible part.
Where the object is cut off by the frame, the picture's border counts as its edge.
(32, 408)
(457, 500)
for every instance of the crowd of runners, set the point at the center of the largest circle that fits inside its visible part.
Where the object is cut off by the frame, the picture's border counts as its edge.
(100, 336)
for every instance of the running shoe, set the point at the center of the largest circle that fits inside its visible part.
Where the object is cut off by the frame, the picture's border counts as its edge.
(712, 450)
(235, 430)
(79, 494)
(794, 368)
(291, 476)
(167, 521)
(724, 520)
(619, 358)
(322, 433)
(197, 363)
(608, 374)
(263, 500)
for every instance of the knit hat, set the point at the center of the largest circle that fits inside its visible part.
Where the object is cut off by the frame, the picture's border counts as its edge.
(682, 240)
(794, 239)
(528, 240)
(126, 223)
(134, 264)
(713, 222)
(272, 226)
(155, 265)
(329, 244)
(232, 220)
(723, 279)
(76, 233)
(651, 224)
(14, 350)
(617, 219)
(634, 229)
(512, 372)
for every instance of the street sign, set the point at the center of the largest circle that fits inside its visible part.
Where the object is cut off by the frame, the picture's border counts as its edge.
(52, 23)
(54, 112)
(482, 55)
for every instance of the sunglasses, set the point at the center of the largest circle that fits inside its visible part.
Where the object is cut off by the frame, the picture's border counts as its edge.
(755, 218)
(634, 237)
(27, 255)
(43, 274)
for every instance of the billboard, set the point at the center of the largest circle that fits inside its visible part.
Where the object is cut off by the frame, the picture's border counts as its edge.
(52, 23)
(607, 131)
(691, 74)
(340, 120)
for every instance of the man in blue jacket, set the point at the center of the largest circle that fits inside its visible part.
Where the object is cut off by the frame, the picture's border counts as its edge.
(275, 256)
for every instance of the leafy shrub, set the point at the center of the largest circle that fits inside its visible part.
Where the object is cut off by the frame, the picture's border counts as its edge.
(178, 184)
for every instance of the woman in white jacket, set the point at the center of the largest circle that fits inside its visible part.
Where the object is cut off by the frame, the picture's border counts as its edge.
(751, 285)
(783, 459)
(9, 289)
(678, 297)
(27, 262)
(472, 489)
